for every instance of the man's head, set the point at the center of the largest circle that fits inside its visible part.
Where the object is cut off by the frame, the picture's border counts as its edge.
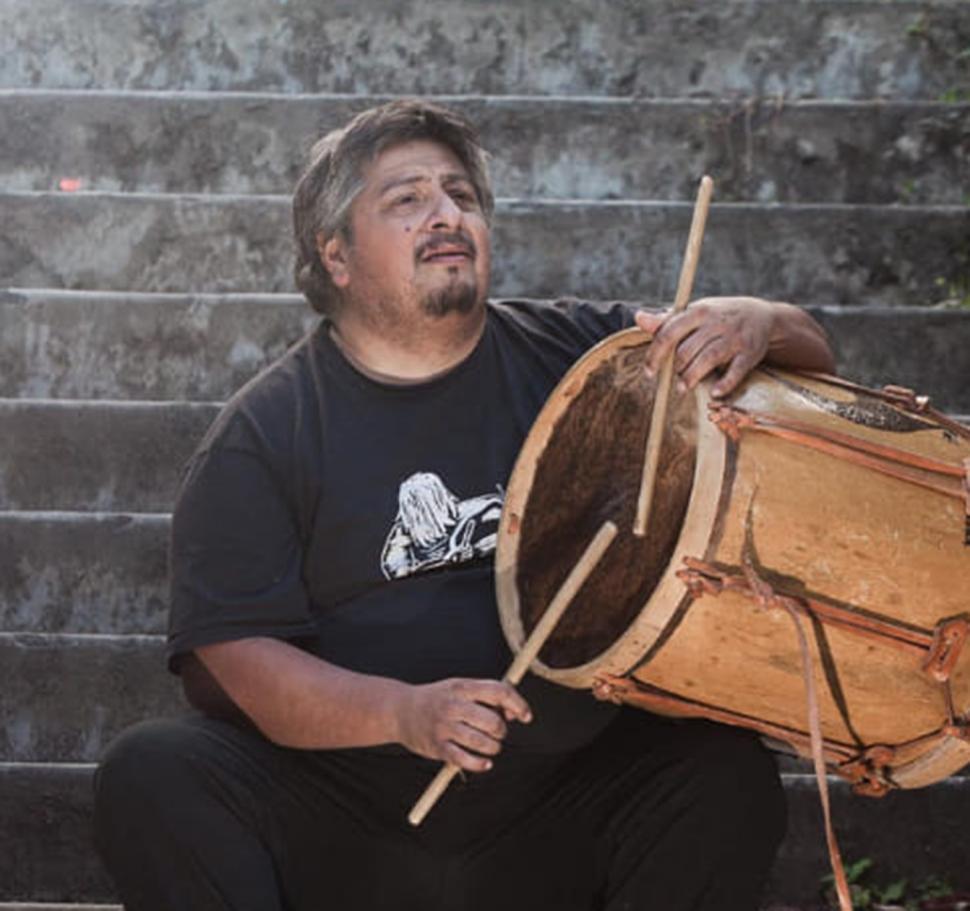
(340, 167)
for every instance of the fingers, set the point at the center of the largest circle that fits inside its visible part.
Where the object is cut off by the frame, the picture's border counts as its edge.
(462, 721)
(711, 335)
(669, 331)
(501, 696)
(738, 369)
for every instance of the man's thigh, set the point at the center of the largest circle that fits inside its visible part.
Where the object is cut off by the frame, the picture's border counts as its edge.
(198, 799)
(654, 814)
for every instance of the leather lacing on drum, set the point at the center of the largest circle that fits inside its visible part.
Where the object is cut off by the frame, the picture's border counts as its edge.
(867, 770)
(938, 650)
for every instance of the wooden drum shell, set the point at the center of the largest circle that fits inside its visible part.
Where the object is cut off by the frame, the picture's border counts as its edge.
(814, 526)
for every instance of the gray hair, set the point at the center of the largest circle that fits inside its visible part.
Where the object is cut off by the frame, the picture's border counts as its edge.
(333, 178)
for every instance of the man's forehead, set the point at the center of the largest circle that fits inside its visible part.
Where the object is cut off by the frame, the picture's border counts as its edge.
(413, 161)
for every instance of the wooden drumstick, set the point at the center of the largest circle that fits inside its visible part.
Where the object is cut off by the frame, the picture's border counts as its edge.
(661, 399)
(530, 648)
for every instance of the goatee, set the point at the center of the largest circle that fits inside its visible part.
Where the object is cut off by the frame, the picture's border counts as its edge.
(460, 297)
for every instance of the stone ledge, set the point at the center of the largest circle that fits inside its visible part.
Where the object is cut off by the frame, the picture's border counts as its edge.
(821, 48)
(885, 255)
(595, 148)
(173, 347)
(53, 454)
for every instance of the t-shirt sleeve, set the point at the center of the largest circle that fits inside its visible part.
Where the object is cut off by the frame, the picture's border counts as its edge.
(236, 553)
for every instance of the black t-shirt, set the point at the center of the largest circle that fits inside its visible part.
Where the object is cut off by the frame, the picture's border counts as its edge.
(358, 519)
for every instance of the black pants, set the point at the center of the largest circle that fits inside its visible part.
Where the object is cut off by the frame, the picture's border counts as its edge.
(655, 815)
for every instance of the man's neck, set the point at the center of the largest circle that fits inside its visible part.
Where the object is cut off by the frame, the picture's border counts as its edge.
(440, 344)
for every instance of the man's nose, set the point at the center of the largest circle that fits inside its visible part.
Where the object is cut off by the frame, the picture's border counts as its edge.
(445, 212)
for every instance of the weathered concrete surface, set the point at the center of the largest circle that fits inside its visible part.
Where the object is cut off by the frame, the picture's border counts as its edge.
(806, 253)
(47, 906)
(46, 849)
(911, 834)
(822, 48)
(78, 344)
(927, 350)
(77, 572)
(591, 148)
(65, 697)
(57, 344)
(104, 456)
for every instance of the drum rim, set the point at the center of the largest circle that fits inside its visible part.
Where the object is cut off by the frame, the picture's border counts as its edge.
(697, 528)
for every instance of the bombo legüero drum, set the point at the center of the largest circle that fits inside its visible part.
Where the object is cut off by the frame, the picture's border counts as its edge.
(846, 505)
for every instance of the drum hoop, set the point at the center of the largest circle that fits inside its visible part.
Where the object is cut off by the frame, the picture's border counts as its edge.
(694, 539)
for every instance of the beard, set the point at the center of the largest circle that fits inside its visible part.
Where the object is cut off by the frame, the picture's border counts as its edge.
(457, 297)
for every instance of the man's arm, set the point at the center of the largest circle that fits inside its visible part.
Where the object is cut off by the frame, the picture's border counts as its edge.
(734, 335)
(299, 700)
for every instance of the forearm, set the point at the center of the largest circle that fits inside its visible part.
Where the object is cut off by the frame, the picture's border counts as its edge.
(299, 700)
(798, 341)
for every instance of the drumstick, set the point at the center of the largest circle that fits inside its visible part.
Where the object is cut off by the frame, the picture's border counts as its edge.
(661, 398)
(537, 638)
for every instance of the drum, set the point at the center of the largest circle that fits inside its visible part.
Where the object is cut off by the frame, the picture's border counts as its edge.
(799, 494)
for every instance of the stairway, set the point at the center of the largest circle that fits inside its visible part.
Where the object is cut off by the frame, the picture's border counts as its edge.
(146, 157)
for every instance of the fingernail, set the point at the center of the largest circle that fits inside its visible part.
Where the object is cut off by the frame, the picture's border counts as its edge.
(681, 387)
(488, 765)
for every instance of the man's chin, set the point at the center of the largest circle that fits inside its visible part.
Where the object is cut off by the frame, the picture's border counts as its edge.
(460, 298)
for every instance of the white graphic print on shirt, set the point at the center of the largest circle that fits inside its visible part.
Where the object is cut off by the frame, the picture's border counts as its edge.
(434, 528)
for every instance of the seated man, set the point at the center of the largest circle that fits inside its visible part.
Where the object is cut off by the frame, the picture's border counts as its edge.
(333, 610)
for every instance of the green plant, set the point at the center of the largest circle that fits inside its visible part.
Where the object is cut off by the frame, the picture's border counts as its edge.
(898, 895)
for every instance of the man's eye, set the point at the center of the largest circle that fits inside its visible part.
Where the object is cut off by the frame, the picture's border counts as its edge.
(464, 197)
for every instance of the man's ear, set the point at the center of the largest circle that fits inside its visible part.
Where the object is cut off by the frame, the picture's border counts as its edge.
(333, 255)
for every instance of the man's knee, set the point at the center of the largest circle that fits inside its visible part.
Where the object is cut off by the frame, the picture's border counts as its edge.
(148, 768)
(738, 778)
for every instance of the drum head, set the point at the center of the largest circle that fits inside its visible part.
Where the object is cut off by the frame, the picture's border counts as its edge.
(580, 466)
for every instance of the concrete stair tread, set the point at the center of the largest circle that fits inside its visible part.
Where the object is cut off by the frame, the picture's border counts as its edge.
(914, 834)
(597, 249)
(821, 48)
(59, 344)
(150, 441)
(47, 906)
(84, 572)
(245, 142)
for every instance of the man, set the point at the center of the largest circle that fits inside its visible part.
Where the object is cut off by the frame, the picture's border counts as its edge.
(333, 611)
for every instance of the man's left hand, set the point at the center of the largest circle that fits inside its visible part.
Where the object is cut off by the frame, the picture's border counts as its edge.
(730, 335)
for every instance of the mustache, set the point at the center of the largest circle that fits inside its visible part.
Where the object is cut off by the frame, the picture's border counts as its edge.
(453, 239)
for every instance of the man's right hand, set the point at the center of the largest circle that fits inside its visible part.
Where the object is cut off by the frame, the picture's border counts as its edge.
(458, 720)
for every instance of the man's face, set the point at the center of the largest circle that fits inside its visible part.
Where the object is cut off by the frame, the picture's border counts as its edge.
(419, 244)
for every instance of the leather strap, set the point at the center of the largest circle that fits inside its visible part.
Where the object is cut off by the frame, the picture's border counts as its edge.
(897, 463)
(966, 499)
(767, 599)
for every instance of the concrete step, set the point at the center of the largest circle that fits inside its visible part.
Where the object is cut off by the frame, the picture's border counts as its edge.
(595, 148)
(101, 456)
(84, 572)
(818, 48)
(48, 906)
(112, 345)
(45, 831)
(834, 253)
(913, 834)
(65, 697)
